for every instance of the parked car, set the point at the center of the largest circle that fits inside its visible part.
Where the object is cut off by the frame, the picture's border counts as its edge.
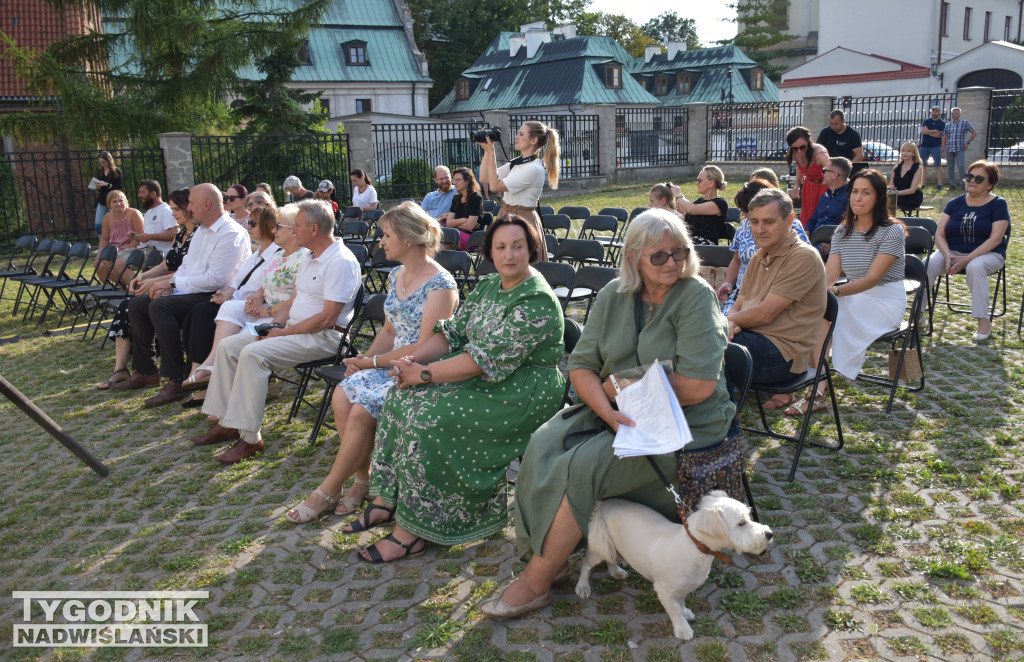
(880, 152)
(1011, 154)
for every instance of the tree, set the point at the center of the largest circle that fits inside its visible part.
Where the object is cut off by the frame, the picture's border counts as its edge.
(669, 26)
(620, 28)
(268, 106)
(159, 65)
(761, 25)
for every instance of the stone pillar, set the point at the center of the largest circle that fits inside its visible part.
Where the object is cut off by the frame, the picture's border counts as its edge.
(974, 103)
(816, 110)
(606, 164)
(499, 118)
(697, 132)
(360, 146)
(178, 166)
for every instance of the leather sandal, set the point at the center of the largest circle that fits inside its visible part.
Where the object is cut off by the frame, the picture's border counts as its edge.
(360, 524)
(375, 556)
(110, 381)
(193, 384)
(350, 504)
(307, 514)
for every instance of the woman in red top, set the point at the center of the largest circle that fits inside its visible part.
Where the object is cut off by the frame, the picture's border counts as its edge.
(811, 161)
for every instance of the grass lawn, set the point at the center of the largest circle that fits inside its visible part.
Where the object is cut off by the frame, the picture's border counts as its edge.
(907, 543)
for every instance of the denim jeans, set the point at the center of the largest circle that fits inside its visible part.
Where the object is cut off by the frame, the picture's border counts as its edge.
(101, 211)
(769, 366)
(955, 160)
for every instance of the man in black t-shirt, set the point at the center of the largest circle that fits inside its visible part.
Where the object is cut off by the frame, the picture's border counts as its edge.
(839, 139)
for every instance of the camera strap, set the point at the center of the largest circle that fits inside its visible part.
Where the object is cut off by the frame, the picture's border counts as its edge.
(521, 160)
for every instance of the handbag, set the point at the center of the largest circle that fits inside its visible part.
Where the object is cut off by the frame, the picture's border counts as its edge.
(911, 368)
(718, 467)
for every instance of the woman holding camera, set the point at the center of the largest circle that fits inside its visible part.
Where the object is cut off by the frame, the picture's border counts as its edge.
(522, 179)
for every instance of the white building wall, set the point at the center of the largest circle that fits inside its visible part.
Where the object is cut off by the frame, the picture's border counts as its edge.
(393, 98)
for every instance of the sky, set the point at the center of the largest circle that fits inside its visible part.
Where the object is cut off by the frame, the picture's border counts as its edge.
(708, 15)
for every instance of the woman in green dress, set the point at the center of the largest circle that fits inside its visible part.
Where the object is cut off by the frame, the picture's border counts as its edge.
(658, 309)
(466, 406)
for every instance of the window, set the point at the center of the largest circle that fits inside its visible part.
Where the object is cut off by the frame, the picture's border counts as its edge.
(1007, 27)
(461, 89)
(661, 86)
(683, 83)
(944, 19)
(968, 12)
(677, 122)
(641, 81)
(362, 106)
(988, 24)
(613, 76)
(325, 107)
(355, 53)
(657, 123)
(620, 123)
(757, 79)
(304, 58)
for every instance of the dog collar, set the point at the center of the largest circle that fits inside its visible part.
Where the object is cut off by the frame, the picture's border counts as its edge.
(698, 544)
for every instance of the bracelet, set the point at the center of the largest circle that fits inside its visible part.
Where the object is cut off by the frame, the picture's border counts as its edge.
(731, 286)
(615, 383)
(375, 361)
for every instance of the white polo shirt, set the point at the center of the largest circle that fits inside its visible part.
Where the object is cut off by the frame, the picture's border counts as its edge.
(334, 276)
(524, 183)
(156, 220)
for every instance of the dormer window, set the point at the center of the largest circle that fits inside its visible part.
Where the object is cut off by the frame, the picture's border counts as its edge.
(304, 58)
(661, 86)
(461, 89)
(683, 83)
(641, 81)
(613, 76)
(355, 53)
(757, 79)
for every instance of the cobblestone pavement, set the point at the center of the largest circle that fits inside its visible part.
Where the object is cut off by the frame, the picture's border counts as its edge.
(906, 544)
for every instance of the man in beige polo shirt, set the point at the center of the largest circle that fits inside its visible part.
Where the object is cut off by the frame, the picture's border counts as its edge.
(782, 301)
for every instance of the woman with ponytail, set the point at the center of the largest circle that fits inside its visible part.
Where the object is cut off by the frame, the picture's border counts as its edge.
(522, 179)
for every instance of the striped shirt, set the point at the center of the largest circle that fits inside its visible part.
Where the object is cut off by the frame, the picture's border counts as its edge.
(858, 252)
(956, 134)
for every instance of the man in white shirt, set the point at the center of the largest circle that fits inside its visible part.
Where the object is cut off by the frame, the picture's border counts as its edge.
(158, 224)
(313, 322)
(439, 201)
(217, 247)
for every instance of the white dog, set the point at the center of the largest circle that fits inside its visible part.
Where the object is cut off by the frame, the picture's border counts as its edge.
(661, 550)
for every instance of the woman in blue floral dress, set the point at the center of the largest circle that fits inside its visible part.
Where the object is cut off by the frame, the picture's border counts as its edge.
(468, 401)
(420, 293)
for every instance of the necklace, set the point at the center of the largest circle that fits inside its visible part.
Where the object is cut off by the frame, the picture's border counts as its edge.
(406, 277)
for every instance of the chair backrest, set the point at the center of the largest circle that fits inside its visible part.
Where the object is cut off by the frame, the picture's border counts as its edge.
(544, 209)
(575, 213)
(928, 224)
(26, 242)
(152, 259)
(353, 212)
(620, 214)
(450, 236)
(476, 241)
(136, 258)
(557, 274)
(551, 242)
(732, 214)
(357, 229)
(637, 211)
(918, 241)
(373, 309)
(108, 254)
(728, 232)
(831, 312)
(489, 205)
(593, 277)
(579, 250)
(552, 222)
(457, 263)
(572, 334)
(714, 256)
(380, 259)
(81, 251)
(485, 220)
(739, 371)
(484, 268)
(372, 215)
(823, 234)
(360, 251)
(598, 223)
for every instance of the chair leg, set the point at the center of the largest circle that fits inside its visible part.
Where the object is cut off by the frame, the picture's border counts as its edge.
(750, 499)
(321, 416)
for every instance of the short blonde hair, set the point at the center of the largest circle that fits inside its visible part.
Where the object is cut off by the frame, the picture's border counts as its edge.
(915, 154)
(649, 229)
(414, 226)
(287, 213)
(117, 193)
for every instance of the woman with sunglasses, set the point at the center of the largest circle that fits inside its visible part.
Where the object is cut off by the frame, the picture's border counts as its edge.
(658, 309)
(811, 161)
(234, 203)
(971, 239)
(705, 216)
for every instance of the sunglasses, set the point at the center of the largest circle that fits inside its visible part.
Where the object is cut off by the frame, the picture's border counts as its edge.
(251, 223)
(231, 198)
(252, 203)
(661, 257)
(798, 148)
(977, 179)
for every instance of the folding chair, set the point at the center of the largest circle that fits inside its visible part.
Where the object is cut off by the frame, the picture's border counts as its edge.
(50, 269)
(24, 251)
(908, 336)
(475, 245)
(823, 234)
(602, 223)
(451, 237)
(380, 268)
(928, 224)
(739, 372)
(81, 293)
(372, 216)
(620, 214)
(732, 214)
(728, 233)
(558, 275)
(111, 299)
(352, 213)
(353, 232)
(714, 256)
(570, 336)
(542, 210)
(586, 283)
(551, 243)
(579, 252)
(459, 264)
(485, 220)
(489, 205)
(372, 313)
(637, 211)
(552, 223)
(576, 213)
(919, 242)
(1000, 289)
(809, 379)
(69, 277)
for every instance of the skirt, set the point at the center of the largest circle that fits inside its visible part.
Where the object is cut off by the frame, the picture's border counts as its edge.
(862, 318)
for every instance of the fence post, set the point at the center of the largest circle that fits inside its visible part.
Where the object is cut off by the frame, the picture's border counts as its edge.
(499, 118)
(178, 166)
(361, 153)
(975, 104)
(816, 110)
(697, 127)
(606, 165)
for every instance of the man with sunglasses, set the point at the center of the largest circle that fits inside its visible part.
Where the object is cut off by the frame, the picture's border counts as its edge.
(780, 307)
(833, 202)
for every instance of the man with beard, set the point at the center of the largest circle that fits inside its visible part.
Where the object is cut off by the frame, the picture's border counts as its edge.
(158, 224)
(440, 201)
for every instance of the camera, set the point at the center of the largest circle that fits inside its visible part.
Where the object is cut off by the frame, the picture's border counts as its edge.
(264, 329)
(481, 135)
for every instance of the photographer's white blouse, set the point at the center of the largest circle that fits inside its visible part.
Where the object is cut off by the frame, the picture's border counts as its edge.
(525, 183)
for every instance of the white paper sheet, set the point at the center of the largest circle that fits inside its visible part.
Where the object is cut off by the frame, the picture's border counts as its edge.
(661, 426)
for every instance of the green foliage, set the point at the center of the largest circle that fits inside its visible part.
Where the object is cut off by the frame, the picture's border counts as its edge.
(159, 65)
(669, 26)
(270, 107)
(761, 27)
(410, 178)
(1011, 129)
(620, 28)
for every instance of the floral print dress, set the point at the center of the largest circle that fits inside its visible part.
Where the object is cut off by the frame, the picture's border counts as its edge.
(442, 450)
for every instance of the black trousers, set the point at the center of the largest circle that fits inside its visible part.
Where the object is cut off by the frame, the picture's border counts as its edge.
(161, 319)
(199, 329)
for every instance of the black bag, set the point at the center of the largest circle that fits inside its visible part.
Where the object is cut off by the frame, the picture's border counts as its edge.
(718, 467)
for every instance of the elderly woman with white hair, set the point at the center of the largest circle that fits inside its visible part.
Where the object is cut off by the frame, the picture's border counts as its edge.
(658, 309)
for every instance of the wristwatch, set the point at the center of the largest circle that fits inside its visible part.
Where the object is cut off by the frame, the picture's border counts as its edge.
(425, 375)
(835, 290)
(171, 283)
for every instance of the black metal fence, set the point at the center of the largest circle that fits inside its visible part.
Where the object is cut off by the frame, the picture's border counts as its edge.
(46, 191)
(249, 160)
(406, 155)
(751, 131)
(1006, 127)
(579, 136)
(651, 137)
(885, 123)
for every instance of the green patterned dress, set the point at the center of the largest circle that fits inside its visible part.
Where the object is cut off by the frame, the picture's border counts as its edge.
(442, 450)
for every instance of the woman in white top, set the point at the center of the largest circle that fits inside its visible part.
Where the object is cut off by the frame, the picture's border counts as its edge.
(522, 179)
(364, 195)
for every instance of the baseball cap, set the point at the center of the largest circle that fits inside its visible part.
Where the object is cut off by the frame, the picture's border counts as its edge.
(325, 186)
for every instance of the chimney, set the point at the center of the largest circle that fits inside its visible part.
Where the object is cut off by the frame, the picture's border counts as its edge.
(568, 30)
(534, 38)
(514, 44)
(651, 51)
(675, 47)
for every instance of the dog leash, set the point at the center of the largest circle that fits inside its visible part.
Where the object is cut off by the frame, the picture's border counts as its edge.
(681, 508)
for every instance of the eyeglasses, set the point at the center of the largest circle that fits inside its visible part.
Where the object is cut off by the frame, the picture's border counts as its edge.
(827, 170)
(661, 257)
(251, 223)
(700, 181)
(231, 198)
(282, 225)
(977, 179)
(798, 148)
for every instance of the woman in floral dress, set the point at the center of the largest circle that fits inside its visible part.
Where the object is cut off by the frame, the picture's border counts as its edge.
(467, 404)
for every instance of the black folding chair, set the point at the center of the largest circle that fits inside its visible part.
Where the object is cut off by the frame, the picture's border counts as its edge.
(999, 294)
(353, 232)
(558, 275)
(739, 372)
(809, 380)
(570, 336)
(541, 209)
(451, 237)
(38, 265)
(732, 214)
(579, 252)
(605, 224)
(823, 234)
(728, 233)
(586, 283)
(714, 256)
(54, 266)
(553, 223)
(637, 211)
(379, 271)
(576, 213)
(69, 277)
(460, 265)
(19, 261)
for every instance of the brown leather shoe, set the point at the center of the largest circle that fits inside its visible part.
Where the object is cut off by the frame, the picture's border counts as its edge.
(171, 392)
(215, 435)
(136, 381)
(240, 451)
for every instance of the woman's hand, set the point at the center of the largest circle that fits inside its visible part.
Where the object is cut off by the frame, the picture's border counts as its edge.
(219, 297)
(734, 328)
(487, 146)
(957, 263)
(357, 363)
(407, 371)
(724, 290)
(617, 418)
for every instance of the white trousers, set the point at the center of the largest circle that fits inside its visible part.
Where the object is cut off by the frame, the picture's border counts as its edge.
(978, 270)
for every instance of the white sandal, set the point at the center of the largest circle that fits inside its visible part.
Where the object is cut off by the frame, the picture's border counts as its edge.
(307, 514)
(193, 384)
(352, 505)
